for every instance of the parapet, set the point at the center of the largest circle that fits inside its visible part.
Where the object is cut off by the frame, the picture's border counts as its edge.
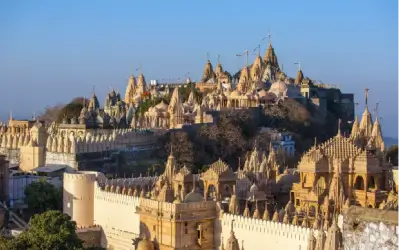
(269, 227)
(81, 175)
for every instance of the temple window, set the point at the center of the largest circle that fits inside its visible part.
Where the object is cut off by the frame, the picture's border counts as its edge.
(359, 183)
(371, 183)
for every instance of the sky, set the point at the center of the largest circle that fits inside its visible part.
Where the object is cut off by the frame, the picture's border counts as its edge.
(53, 51)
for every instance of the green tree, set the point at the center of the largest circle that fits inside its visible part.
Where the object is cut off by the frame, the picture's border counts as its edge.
(47, 231)
(392, 154)
(42, 196)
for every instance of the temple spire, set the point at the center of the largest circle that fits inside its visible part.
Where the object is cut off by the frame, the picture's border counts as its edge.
(269, 36)
(299, 65)
(376, 110)
(246, 57)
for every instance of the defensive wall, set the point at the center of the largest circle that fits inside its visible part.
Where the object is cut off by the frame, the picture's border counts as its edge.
(261, 234)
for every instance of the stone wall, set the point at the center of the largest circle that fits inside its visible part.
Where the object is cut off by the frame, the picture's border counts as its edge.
(12, 155)
(116, 214)
(367, 228)
(62, 159)
(260, 234)
(91, 236)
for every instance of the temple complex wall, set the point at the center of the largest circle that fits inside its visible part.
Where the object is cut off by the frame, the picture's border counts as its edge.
(262, 234)
(62, 159)
(116, 213)
(12, 154)
(367, 228)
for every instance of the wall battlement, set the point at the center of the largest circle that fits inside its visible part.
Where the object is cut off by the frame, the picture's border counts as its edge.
(81, 175)
(274, 235)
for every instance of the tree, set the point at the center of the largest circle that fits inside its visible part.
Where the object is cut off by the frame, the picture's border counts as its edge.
(42, 196)
(392, 154)
(59, 111)
(47, 231)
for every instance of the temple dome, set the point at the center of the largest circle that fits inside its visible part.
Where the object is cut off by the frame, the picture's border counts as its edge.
(279, 88)
(193, 196)
(145, 244)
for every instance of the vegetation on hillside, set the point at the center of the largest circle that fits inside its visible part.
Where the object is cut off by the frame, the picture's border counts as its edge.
(234, 133)
(59, 111)
(392, 155)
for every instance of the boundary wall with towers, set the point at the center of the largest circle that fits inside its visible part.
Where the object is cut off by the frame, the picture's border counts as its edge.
(115, 213)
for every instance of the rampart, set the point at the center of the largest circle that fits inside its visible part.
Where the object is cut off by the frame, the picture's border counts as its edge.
(261, 234)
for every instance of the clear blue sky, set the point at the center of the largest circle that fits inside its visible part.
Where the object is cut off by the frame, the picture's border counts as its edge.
(52, 51)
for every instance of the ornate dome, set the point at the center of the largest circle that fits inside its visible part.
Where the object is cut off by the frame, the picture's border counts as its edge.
(278, 88)
(193, 196)
(235, 93)
(145, 244)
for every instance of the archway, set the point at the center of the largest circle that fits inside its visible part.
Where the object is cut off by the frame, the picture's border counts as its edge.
(211, 192)
(359, 183)
(226, 191)
(371, 183)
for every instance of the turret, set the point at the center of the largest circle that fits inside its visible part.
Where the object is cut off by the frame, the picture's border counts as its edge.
(78, 197)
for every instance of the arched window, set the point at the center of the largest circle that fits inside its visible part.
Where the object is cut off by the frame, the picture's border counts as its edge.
(371, 183)
(359, 183)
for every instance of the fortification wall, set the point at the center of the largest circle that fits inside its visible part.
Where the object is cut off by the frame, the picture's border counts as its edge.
(62, 159)
(261, 234)
(367, 228)
(116, 212)
(12, 154)
(78, 197)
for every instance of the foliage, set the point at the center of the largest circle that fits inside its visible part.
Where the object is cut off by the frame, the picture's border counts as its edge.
(150, 102)
(47, 231)
(392, 154)
(234, 133)
(57, 112)
(42, 196)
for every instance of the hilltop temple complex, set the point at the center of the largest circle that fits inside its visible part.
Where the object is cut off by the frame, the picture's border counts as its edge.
(287, 208)
(223, 209)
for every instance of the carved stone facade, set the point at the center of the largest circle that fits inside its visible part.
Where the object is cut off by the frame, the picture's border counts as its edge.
(344, 171)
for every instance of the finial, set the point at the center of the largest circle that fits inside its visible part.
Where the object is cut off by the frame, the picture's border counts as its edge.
(339, 126)
(269, 36)
(376, 110)
(315, 141)
(246, 57)
(94, 90)
(207, 56)
(282, 67)
(232, 225)
(218, 59)
(367, 96)
(194, 183)
(11, 115)
(299, 65)
(257, 48)
(141, 68)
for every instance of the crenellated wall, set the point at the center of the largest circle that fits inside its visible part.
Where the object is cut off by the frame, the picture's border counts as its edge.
(261, 234)
(116, 214)
(118, 211)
